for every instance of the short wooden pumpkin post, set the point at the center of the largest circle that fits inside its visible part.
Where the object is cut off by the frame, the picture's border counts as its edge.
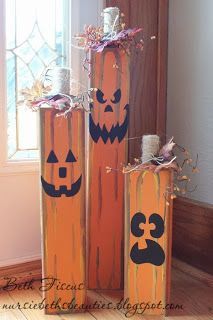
(108, 126)
(63, 207)
(148, 238)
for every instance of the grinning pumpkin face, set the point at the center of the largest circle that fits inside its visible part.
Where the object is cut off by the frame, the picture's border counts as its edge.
(111, 129)
(153, 253)
(68, 191)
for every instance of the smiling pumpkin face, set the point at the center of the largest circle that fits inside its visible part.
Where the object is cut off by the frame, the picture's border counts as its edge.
(69, 190)
(62, 155)
(111, 128)
(63, 201)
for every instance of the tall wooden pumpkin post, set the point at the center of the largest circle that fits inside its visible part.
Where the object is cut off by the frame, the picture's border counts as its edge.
(108, 127)
(148, 238)
(108, 123)
(63, 208)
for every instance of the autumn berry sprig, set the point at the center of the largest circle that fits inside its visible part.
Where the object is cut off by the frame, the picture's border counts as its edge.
(90, 37)
(93, 38)
(168, 158)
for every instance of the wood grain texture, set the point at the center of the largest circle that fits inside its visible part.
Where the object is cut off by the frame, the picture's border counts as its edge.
(106, 190)
(63, 217)
(163, 14)
(143, 78)
(124, 7)
(22, 272)
(148, 69)
(195, 296)
(30, 297)
(9, 313)
(193, 233)
(146, 193)
(205, 278)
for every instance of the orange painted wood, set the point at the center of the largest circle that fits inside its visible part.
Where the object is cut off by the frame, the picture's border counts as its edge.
(106, 190)
(147, 274)
(63, 217)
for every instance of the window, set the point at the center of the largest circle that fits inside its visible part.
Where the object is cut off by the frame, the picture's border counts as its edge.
(34, 34)
(36, 38)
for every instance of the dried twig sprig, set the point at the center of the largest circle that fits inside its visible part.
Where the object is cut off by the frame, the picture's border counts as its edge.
(169, 195)
(167, 159)
(93, 38)
(72, 102)
(36, 97)
(109, 170)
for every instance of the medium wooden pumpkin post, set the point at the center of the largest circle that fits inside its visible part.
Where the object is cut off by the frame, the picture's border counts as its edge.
(63, 207)
(108, 126)
(148, 239)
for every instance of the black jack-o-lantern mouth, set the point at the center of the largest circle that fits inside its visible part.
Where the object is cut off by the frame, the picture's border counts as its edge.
(50, 189)
(117, 131)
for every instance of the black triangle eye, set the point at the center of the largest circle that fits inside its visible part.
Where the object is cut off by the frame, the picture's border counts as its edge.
(100, 96)
(52, 157)
(117, 96)
(70, 157)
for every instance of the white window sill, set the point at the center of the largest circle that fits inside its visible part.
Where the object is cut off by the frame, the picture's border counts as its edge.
(13, 167)
(25, 155)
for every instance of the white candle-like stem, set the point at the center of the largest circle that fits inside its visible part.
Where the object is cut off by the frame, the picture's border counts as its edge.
(150, 147)
(61, 80)
(111, 20)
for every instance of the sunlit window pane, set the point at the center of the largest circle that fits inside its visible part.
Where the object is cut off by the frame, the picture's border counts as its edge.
(27, 122)
(36, 34)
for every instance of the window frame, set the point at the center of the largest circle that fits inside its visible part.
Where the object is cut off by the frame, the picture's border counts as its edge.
(12, 165)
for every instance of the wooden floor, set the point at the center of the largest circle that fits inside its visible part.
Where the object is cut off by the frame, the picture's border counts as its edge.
(196, 297)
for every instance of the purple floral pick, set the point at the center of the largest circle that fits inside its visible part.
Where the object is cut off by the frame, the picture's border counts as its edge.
(57, 102)
(124, 35)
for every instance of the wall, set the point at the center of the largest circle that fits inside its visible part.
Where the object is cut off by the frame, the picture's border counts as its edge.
(84, 13)
(190, 86)
(20, 223)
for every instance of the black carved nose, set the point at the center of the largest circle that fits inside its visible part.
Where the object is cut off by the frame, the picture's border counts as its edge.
(62, 172)
(108, 109)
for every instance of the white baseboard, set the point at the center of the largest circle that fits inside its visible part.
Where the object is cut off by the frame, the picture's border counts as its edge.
(14, 261)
